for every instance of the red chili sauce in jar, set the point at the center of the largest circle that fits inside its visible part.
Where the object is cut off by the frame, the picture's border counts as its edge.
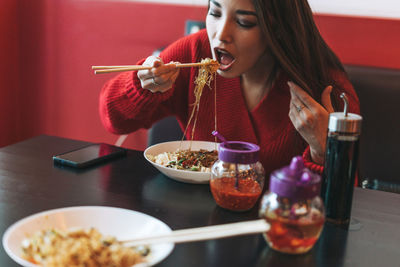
(294, 236)
(237, 198)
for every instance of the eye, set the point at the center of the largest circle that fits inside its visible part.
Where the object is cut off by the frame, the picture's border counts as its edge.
(245, 23)
(214, 13)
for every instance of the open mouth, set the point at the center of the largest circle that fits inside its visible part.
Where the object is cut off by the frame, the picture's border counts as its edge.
(224, 58)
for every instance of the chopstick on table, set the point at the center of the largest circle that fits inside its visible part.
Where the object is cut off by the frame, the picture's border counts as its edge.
(204, 233)
(108, 69)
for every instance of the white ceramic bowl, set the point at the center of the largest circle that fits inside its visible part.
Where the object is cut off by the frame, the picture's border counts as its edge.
(121, 223)
(193, 177)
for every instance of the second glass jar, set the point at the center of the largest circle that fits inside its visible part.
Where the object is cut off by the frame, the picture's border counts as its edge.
(293, 209)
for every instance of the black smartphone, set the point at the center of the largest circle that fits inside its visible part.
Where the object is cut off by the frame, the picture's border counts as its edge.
(89, 155)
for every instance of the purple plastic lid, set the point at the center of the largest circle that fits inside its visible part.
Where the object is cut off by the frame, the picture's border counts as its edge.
(238, 152)
(295, 181)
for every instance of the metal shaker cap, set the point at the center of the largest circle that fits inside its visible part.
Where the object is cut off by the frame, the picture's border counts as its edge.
(345, 122)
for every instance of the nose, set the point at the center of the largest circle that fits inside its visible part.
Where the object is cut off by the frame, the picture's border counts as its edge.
(224, 31)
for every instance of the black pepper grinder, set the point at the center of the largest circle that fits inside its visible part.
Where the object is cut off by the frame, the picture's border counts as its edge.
(341, 160)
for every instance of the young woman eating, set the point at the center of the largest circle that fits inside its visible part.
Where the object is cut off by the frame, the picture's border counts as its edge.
(276, 85)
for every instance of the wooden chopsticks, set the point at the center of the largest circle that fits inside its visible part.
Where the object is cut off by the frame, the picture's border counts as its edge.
(204, 233)
(108, 69)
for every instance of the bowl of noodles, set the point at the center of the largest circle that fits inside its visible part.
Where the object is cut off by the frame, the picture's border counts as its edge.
(85, 236)
(185, 161)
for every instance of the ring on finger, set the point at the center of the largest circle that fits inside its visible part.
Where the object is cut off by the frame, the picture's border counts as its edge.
(299, 108)
(154, 82)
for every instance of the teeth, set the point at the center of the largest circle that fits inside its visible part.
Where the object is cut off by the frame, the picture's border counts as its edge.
(222, 52)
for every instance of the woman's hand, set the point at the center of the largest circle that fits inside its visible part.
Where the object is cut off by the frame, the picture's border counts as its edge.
(160, 78)
(311, 119)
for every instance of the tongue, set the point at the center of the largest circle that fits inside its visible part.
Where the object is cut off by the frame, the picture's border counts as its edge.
(226, 59)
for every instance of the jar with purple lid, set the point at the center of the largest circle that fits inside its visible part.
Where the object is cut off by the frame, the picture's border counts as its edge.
(237, 177)
(293, 208)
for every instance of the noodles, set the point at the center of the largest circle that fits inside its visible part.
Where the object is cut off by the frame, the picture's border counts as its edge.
(55, 248)
(206, 74)
(187, 160)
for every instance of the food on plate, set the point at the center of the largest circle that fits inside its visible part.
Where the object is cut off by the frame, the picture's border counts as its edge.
(53, 248)
(201, 160)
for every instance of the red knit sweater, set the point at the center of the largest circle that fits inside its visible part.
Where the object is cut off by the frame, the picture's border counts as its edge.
(126, 107)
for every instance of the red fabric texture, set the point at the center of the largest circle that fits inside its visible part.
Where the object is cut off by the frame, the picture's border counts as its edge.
(126, 107)
(308, 163)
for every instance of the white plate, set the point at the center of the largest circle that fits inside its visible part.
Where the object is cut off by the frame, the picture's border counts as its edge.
(120, 223)
(181, 175)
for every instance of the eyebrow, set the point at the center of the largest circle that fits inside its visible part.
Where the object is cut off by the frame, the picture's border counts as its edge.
(240, 12)
(215, 3)
(244, 12)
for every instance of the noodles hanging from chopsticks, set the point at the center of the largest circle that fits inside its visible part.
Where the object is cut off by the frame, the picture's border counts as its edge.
(206, 74)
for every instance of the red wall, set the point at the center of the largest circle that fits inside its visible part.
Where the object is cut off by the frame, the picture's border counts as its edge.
(49, 87)
(8, 71)
(80, 34)
(363, 41)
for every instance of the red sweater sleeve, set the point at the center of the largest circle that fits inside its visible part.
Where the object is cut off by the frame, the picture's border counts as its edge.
(123, 103)
(124, 106)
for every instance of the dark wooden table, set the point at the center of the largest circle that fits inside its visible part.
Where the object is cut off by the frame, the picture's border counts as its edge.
(30, 183)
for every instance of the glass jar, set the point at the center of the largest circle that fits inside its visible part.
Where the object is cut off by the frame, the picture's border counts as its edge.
(237, 178)
(293, 209)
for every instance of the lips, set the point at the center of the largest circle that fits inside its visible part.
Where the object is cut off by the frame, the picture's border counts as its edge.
(224, 58)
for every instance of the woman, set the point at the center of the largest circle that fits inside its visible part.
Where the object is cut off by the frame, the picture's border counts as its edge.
(276, 85)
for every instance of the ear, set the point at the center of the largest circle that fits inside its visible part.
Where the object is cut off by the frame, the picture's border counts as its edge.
(326, 99)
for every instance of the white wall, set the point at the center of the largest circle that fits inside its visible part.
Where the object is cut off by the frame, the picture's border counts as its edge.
(364, 8)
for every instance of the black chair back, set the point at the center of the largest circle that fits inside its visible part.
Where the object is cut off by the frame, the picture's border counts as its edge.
(379, 93)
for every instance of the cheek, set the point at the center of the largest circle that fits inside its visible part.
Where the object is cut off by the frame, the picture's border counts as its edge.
(209, 32)
(251, 49)
(259, 47)
(259, 43)
(251, 40)
(210, 27)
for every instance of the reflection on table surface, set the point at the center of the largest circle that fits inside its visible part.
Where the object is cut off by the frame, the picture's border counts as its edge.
(30, 183)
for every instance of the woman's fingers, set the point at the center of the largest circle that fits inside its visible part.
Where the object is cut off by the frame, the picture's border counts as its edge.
(326, 99)
(165, 76)
(310, 118)
(301, 97)
(151, 61)
(301, 117)
(160, 78)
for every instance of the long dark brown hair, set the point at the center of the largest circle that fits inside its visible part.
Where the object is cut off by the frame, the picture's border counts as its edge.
(297, 45)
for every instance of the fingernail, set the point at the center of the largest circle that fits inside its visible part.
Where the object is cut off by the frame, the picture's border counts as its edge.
(290, 84)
